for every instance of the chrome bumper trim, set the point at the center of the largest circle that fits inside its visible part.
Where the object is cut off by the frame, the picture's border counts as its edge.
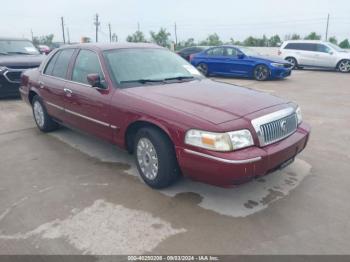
(228, 161)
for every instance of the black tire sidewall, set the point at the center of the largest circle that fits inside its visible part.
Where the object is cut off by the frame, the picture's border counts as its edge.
(338, 66)
(49, 124)
(206, 66)
(168, 170)
(256, 68)
(295, 62)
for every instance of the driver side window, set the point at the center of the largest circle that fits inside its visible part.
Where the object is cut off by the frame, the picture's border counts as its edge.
(86, 63)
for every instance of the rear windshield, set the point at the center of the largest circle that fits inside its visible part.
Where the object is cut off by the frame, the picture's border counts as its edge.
(15, 47)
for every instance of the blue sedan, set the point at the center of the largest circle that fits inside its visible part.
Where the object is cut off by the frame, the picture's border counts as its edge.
(240, 61)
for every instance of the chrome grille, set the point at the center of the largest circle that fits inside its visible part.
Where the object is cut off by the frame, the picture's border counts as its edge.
(275, 126)
(279, 129)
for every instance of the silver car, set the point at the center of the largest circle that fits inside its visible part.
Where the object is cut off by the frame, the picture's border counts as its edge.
(319, 54)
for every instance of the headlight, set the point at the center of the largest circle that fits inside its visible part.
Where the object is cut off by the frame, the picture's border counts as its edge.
(277, 65)
(219, 141)
(299, 116)
(3, 68)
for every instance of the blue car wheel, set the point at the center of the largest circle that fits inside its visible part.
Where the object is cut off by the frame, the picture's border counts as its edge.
(203, 68)
(261, 73)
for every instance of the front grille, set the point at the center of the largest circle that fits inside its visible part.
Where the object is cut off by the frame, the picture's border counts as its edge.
(287, 65)
(279, 129)
(275, 126)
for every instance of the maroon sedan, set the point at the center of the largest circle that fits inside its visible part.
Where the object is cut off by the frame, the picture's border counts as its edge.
(154, 104)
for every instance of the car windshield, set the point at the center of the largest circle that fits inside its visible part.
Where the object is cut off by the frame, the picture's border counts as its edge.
(248, 51)
(139, 66)
(10, 47)
(336, 48)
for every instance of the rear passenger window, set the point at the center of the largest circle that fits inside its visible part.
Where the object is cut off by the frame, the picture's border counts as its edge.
(216, 51)
(61, 64)
(301, 46)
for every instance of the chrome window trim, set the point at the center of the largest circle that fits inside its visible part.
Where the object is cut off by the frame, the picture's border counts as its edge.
(82, 116)
(224, 160)
(257, 122)
(70, 81)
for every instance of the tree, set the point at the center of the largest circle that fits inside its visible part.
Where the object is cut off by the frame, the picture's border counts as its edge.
(295, 37)
(274, 41)
(333, 40)
(313, 36)
(161, 38)
(183, 44)
(250, 41)
(136, 37)
(43, 40)
(212, 40)
(344, 44)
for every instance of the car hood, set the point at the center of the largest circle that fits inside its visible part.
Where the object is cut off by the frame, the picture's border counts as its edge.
(269, 59)
(18, 61)
(209, 100)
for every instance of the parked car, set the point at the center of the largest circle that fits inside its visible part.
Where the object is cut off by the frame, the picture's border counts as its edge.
(44, 49)
(317, 54)
(187, 52)
(240, 61)
(16, 55)
(149, 101)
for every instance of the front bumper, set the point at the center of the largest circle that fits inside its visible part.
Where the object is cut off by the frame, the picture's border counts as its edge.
(227, 169)
(280, 72)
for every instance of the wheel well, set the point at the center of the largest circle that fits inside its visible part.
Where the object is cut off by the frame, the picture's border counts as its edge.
(132, 130)
(31, 96)
(291, 57)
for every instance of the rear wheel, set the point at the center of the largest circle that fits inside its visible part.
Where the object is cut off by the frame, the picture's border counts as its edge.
(155, 158)
(344, 66)
(203, 68)
(293, 61)
(43, 121)
(261, 73)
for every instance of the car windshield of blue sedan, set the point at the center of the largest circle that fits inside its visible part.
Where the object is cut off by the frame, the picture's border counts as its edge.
(248, 51)
(133, 67)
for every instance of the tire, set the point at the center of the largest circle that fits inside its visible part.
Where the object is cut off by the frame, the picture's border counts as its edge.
(344, 66)
(43, 121)
(155, 158)
(203, 68)
(293, 61)
(261, 73)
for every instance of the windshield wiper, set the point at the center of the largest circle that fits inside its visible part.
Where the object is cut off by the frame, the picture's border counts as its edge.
(179, 78)
(143, 81)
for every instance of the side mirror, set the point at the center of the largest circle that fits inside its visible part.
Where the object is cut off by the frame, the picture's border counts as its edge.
(241, 55)
(95, 81)
(330, 52)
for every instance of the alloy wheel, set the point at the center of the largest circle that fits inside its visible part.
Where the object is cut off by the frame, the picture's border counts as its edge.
(292, 61)
(261, 73)
(147, 158)
(203, 68)
(344, 66)
(39, 114)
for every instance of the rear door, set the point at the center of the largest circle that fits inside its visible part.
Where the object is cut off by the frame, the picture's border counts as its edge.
(53, 81)
(215, 60)
(87, 107)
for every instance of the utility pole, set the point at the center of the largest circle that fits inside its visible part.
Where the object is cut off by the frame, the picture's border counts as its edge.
(97, 24)
(31, 33)
(68, 35)
(327, 27)
(110, 32)
(138, 26)
(175, 28)
(62, 24)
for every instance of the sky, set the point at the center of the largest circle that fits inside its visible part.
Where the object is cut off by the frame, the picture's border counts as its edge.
(194, 18)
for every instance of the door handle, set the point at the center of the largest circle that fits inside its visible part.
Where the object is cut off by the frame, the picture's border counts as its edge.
(41, 84)
(68, 91)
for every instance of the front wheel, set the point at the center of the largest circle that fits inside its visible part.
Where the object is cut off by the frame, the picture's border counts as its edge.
(155, 158)
(344, 66)
(43, 121)
(261, 73)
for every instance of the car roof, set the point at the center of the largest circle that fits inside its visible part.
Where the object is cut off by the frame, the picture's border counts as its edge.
(305, 41)
(13, 39)
(112, 46)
